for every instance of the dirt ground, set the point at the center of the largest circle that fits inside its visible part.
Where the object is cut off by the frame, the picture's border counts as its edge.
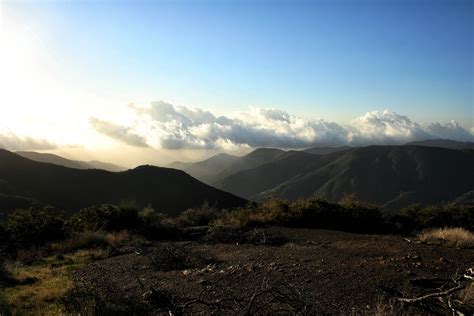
(315, 272)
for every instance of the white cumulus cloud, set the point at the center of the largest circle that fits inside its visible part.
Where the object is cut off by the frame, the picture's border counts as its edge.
(164, 125)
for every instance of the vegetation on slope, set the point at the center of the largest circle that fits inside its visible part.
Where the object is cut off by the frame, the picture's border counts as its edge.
(45, 248)
(390, 176)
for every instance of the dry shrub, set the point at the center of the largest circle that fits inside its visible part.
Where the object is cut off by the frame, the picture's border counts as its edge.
(86, 240)
(271, 212)
(117, 239)
(455, 237)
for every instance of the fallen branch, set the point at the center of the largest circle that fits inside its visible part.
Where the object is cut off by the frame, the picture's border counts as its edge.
(432, 295)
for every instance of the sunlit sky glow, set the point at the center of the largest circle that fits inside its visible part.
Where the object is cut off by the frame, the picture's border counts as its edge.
(84, 79)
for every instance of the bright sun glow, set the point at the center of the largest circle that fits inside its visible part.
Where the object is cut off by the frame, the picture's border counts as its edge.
(36, 99)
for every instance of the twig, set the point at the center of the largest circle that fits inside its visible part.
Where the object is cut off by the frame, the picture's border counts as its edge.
(455, 311)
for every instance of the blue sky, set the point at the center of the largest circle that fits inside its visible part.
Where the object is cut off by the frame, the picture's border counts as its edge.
(331, 59)
(326, 58)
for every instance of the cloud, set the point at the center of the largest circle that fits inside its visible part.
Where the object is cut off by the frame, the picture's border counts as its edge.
(451, 130)
(385, 128)
(121, 133)
(167, 126)
(181, 127)
(391, 128)
(15, 142)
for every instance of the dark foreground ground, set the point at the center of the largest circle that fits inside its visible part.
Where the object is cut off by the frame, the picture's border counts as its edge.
(315, 272)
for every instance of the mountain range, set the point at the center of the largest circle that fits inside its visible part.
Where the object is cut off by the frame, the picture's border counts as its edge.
(24, 181)
(76, 164)
(392, 177)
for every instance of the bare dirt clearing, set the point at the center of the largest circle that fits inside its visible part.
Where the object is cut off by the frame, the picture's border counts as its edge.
(316, 272)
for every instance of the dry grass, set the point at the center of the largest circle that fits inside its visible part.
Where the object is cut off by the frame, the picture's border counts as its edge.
(455, 237)
(467, 295)
(118, 239)
(40, 288)
(86, 240)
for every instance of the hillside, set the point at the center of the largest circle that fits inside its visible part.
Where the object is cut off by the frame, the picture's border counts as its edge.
(167, 190)
(77, 164)
(391, 176)
(206, 169)
(269, 175)
(220, 166)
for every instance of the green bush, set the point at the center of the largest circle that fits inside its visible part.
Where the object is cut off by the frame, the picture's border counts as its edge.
(307, 213)
(198, 217)
(150, 217)
(416, 217)
(34, 227)
(104, 218)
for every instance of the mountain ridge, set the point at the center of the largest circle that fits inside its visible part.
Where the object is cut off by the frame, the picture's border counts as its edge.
(76, 164)
(167, 190)
(390, 176)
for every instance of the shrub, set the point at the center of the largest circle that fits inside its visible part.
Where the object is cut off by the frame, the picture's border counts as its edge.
(308, 213)
(348, 216)
(104, 218)
(150, 217)
(157, 226)
(84, 240)
(198, 217)
(117, 239)
(34, 227)
(417, 217)
(456, 237)
(271, 212)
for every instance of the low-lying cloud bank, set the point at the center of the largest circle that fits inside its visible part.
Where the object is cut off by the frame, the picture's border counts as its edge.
(121, 133)
(163, 125)
(14, 142)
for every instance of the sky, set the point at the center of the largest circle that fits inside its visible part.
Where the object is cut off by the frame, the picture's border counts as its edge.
(137, 82)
